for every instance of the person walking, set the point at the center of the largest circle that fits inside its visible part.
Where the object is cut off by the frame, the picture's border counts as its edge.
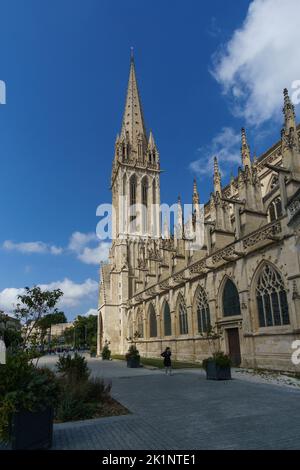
(167, 360)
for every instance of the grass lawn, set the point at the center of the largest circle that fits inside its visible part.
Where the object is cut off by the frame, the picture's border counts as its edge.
(157, 362)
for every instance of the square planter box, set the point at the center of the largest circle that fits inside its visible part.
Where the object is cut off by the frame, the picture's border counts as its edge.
(215, 372)
(32, 430)
(133, 363)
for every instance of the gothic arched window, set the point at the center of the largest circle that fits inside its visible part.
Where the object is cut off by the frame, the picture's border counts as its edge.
(152, 322)
(133, 190)
(145, 191)
(231, 300)
(183, 317)
(275, 209)
(271, 298)
(154, 191)
(203, 313)
(167, 320)
(140, 324)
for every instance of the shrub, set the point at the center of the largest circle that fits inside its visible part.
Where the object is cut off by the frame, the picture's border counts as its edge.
(106, 353)
(80, 399)
(133, 353)
(24, 387)
(221, 360)
(72, 408)
(98, 390)
(74, 368)
(93, 350)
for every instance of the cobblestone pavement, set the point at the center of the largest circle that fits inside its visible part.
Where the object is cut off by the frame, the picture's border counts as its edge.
(185, 411)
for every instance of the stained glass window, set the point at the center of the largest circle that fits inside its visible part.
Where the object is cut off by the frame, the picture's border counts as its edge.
(231, 300)
(183, 318)
(203, 313)
(271, 298)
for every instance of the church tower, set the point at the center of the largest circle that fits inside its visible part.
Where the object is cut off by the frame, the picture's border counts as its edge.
(135, 189)
(135, 174)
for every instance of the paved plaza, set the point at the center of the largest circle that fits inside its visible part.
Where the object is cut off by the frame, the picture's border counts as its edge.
(186, 411)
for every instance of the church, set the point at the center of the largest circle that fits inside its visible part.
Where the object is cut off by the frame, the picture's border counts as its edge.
(159, 289)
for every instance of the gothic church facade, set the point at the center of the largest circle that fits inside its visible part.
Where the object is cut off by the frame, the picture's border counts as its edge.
(244, 281)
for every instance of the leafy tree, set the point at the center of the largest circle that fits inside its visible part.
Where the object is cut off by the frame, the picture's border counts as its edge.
(69, 335)
(33, 307)
(11, 335)
(85, 331)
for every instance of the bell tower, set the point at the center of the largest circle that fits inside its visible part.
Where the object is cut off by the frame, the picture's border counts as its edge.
(135, 187)
(135, 175)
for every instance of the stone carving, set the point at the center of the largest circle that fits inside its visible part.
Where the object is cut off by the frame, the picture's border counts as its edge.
(198, 268)
(263, 234)
(225, 253)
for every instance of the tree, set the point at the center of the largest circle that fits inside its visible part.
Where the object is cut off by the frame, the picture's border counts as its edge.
(84, 331)
(34, 306)
(11, 335)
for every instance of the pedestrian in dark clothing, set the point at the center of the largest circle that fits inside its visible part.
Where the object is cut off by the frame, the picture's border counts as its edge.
(167, 360)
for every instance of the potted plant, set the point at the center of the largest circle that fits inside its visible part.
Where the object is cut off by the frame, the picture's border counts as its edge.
(218, 366)
(93, 351)
(133, 357)
(27, 399)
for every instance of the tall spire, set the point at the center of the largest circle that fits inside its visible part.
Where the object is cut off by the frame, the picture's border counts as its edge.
(217, 177)
(245, 151)
(196, 199)
(180, 221)
(289, 112)
(133, 126)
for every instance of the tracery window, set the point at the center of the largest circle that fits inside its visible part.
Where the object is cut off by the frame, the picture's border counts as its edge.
(203, 313)
(140, 324)
(183, 318)
(271, 298)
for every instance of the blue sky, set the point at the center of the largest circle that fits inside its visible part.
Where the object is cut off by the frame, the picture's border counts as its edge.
(65, 64)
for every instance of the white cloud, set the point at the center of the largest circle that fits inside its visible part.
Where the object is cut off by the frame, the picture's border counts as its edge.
(226, 146)
(95, 255)
(9, 298)
(32, 247)
(74, 293)
(79, 240)
(261, 58)
(88, 248)
(91, 311)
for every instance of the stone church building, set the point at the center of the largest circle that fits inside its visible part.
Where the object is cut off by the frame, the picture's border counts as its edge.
(243, 280)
